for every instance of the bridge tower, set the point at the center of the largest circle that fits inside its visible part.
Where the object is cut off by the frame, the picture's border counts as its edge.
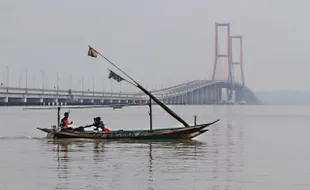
(226, 55)
(239, 62)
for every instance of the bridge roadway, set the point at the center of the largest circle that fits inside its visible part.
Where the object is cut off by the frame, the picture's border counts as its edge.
(31, 96)
(194, 92)
(207, 92)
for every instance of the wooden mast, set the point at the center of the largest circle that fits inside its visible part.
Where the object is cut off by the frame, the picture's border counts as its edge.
(58, 116)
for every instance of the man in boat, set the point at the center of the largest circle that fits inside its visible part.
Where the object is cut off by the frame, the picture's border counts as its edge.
(98, 123)
(64, 123)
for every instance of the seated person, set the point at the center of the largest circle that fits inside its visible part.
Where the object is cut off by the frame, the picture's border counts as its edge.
(64, 123)
(98, 124)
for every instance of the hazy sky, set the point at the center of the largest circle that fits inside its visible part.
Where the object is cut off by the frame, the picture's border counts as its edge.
(157, 42)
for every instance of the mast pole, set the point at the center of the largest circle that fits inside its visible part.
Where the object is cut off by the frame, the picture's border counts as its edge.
(58, 116)
(151, 122)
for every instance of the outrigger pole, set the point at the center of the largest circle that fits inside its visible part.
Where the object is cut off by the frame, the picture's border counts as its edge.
(93, 53)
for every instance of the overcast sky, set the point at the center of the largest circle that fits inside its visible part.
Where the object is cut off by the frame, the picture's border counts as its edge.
(159, 43)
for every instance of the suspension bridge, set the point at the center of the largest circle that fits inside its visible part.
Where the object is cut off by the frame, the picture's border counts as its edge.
(221, 89)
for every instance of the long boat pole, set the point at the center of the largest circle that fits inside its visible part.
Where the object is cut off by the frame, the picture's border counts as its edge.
(173, 114)
(151, 122)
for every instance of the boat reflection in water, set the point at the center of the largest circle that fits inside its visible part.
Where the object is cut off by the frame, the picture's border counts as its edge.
(63, 161)
(98, 164)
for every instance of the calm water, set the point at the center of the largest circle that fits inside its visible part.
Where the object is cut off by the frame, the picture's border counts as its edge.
(253, 148)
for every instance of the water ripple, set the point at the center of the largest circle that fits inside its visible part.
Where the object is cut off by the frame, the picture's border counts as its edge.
(238, 153)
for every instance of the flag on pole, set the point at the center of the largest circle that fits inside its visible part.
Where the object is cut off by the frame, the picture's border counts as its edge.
(92, 52)
(115, 76)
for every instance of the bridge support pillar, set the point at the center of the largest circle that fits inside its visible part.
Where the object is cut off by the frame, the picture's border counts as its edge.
(213, 95)
(220, 96)
(182, 99)
(33, 101)
(188, 98)
(185, 99)
(196, 96)
(201, 98)
(16, 101)
(4, 100)
(199, 92)
(90, 101)
(205, 101)
(192, 97)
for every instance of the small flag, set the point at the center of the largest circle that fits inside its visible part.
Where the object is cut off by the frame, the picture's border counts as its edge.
(115, 76)
(92, 52)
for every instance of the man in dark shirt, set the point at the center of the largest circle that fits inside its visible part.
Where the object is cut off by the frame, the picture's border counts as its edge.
(97, 123)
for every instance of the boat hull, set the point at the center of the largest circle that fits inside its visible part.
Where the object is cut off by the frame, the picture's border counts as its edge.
(167, 133)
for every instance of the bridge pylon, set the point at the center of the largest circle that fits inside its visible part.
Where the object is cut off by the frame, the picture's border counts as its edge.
(226, 55)
(239, 62)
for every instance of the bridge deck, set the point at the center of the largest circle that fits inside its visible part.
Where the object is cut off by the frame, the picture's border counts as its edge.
(165, 94)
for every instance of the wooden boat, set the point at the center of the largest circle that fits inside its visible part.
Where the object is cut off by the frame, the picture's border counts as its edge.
(165, 133)
(186, 132)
